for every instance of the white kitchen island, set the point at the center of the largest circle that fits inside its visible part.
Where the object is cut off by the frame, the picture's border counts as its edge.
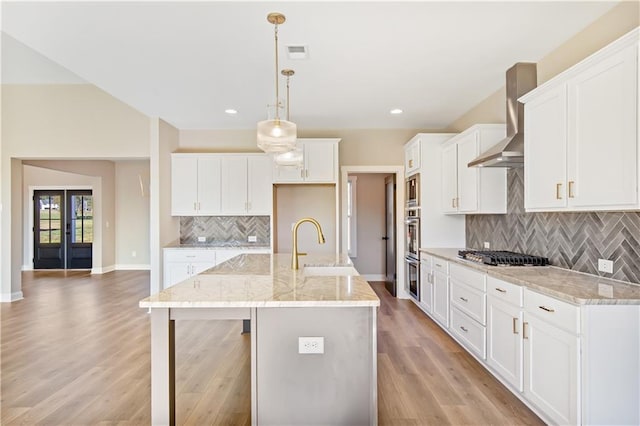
(337, 386)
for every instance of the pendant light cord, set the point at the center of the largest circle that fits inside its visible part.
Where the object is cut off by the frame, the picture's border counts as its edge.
(277, 67)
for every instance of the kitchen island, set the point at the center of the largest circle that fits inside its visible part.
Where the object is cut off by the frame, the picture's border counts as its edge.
(334, 382)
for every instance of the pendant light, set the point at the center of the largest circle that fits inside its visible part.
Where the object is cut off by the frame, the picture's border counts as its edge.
(294, 157)
(276, 135)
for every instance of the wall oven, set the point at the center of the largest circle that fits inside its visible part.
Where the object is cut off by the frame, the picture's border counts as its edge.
(412, 191)
(412, 252)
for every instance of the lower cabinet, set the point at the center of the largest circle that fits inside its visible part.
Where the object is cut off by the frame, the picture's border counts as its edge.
(504, 340)
(426, 283)
(440, 288)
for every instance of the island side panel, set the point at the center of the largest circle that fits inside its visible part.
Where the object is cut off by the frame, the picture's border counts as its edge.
(336, 387)
(162, 368)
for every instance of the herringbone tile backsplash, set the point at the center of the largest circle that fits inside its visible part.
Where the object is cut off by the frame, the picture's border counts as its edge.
(570, 240)
(232, 230)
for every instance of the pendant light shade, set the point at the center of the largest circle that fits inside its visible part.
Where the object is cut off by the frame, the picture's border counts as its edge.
(274, 136)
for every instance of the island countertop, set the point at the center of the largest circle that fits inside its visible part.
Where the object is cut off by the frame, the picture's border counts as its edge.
(266, 280)
(571, 286)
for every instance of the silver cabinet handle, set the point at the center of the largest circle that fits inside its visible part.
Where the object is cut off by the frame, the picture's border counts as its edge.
(544, 308)
(501, 290)
(463, 329)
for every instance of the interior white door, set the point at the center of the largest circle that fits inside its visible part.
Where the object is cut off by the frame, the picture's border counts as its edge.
(184, 186)
(449, 178)
(603, 135)
(234, 185)
(504, 340)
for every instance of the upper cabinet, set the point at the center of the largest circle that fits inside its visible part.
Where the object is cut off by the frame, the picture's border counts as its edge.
(412, 157)
(221, 184)
(471, 189)
(320, 163)
(246, 185)
(581, 134)
(195, 185)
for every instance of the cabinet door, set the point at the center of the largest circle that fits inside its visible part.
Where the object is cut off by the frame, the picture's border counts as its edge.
(259, 185)
(504, 341)
(603, 136)
(426, 290)
(184, 186)
(412, 158)
(545, 151)
(319, 162)
(234, 185)
(198, 267)
(467, 176)
(551, 370)
(174, 272)
(441, 299)
(449, 178)
(289, 173)
(208, 185)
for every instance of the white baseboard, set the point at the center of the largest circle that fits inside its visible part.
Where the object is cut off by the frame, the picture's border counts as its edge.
(27, 267)
(104, 270)
(133, 267)
(373, 277)
(11, 297)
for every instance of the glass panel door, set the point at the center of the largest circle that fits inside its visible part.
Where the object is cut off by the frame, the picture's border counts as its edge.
(48, 252)
(79, 229)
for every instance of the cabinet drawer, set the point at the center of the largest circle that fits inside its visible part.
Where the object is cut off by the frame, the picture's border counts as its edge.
(472, 334)
(188, 255)
(510, 293)
(554, 311)
(468, 276)
(440, 265)
(469, 300)
(426, 260)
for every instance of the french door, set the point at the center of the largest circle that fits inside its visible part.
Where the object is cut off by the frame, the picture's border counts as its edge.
(63, 229)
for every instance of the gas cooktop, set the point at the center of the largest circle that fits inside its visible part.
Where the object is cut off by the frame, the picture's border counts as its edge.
(502, 258)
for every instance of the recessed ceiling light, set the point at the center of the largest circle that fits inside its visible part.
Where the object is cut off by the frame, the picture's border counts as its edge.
(231, 111)
(396, 111)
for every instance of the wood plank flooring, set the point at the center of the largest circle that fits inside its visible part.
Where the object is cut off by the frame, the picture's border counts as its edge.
(76, 352)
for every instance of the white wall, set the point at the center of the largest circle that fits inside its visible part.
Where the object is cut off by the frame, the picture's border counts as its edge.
(293, 202)
(132, 214)
(370, 221)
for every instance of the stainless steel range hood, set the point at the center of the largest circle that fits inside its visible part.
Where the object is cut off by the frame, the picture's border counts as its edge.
(509, 152)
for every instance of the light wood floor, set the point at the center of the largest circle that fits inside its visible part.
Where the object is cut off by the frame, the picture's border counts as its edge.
(76, 351)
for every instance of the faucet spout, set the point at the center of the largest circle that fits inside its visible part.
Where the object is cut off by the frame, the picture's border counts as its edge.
(294, 249)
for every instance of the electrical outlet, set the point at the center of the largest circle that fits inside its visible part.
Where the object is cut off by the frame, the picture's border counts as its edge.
(605, 265)
(253, 238)
(202, 239)
(487, 245)
(310, 345)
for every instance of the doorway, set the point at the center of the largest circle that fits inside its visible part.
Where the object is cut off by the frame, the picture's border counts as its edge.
(63, 229)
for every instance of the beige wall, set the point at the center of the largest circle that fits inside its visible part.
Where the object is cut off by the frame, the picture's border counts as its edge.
(612, 25)
(77, 121)
(380, 147)
(370, 211)
(132, 214)
(293, 202)
(164, 228)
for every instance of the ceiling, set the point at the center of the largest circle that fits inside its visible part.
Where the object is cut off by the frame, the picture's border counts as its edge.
(187, 62)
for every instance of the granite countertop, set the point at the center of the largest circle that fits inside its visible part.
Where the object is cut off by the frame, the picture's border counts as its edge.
(571, 286)
(266, 280)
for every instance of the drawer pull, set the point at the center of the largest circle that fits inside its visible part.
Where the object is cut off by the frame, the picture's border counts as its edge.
(501, 290)
(191, 255)
(544, 308)
(515, 325)
(463, 329)
(438, 265)
(524, 330)
(463, 299)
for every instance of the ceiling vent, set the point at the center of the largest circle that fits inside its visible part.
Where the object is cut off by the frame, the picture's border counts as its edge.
(298, 51)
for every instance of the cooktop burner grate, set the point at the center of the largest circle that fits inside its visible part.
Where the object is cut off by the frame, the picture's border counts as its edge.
(502, 258)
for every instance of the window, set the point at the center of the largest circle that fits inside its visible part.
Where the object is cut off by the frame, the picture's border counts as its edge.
(352, 228)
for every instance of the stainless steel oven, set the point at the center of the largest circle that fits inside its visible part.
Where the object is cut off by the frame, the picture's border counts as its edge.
(412, 190)
(412, 254)
(412, 276)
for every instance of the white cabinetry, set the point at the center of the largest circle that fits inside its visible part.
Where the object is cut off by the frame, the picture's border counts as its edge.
(320, 164)
(180, 264)
(426, 283)
(412, 157)
(440, 287)
(246, 185)
(504, 330)
(468, 308)
(581, 134)
(195, 185)
(472, 189)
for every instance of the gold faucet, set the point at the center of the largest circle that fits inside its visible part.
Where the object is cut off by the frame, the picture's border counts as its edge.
(295, 254)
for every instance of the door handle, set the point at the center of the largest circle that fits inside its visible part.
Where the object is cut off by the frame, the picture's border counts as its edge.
(385, 238)
(558, 186)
